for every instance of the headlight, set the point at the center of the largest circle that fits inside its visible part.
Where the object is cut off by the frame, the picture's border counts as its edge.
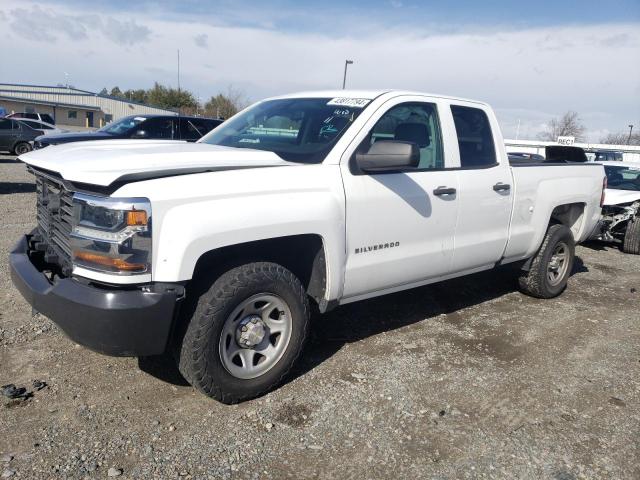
(111, 235)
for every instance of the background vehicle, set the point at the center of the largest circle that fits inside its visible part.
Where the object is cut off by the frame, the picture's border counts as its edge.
(525, 157)
(621, 210)
(16, 137)
(214, 250)
(46, 128)
(604, 156)
(43, 117)
(160, 127)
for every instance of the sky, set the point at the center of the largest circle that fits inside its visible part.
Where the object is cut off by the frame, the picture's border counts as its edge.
(531, 62)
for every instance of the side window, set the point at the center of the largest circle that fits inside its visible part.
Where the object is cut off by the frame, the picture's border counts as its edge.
(161, 128)
(191, 129)
(475, 139)
(6, 125)
(72, 114)
(416, 123)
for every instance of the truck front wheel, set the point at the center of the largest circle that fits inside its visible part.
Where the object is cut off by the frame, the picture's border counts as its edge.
(631, 242)
(245, 333)
(551, 267)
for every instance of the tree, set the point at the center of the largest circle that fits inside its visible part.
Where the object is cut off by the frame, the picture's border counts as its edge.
(170, 98)
(569, 125)
(104, 91)
(225, 105)
(621, 139)
(115, 92)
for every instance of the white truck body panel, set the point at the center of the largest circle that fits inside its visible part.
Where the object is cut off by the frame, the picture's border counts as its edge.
(436, 237)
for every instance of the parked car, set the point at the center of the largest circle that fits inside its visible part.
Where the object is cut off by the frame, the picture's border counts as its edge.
(157, 127)
(604, 156)
(43, 117)
(525, 157)
(16, 137)
(46, 128)
(214, 250)
(621, 210)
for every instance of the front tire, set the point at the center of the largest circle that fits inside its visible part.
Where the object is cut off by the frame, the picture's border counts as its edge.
(631, 242)
(246, 332)
(551, 267)
(21, 148)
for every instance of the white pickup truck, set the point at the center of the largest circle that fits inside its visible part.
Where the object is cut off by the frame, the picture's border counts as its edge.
(214, 250)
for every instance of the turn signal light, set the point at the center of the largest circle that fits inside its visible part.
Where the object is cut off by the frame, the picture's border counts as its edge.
(136, 218)
(105, 261)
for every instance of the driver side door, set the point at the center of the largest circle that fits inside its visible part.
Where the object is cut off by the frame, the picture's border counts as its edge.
(400, 224)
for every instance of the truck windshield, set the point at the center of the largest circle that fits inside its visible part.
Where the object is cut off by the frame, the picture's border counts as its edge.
(298, 129)
(623, 178)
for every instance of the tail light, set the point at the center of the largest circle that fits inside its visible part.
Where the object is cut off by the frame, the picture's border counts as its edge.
(604, 187)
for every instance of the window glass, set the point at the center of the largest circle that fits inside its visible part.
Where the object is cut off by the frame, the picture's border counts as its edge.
(6, 125)
(296, 129)
(45, 117)
(475, 139)
(72, 114)
(416, 123)
(193, 129)
(161, 128)
(623, 178)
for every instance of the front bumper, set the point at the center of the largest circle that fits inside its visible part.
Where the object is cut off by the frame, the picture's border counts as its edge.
(113, 321)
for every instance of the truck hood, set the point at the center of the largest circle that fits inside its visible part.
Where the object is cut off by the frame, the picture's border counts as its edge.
(105, 162)
(617, 197)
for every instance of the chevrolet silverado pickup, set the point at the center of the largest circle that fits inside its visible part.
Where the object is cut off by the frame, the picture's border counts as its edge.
(216, 251)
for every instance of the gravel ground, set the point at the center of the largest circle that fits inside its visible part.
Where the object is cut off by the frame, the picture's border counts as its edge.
(465, 379)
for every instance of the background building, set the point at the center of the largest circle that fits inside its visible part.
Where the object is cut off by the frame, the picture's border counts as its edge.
(70, 106)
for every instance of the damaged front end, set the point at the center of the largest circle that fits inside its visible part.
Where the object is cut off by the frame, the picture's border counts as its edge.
(613, 223)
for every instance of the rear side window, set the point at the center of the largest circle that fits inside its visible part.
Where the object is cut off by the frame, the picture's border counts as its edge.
(475, 139)
(6, 125)
(195, 128)
(47, 118)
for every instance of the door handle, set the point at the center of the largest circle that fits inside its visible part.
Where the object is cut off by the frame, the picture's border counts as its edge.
(501, 187)
(444, 191)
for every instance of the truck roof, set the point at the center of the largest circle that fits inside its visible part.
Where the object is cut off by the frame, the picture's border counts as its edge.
(368, 94)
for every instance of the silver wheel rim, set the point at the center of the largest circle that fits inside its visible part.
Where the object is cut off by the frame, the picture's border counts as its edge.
(558, 264)
(263, 323)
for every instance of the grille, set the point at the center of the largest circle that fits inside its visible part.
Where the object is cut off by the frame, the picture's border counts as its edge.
(55, 216)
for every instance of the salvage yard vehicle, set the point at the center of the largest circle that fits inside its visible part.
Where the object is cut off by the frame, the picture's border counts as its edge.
(215, 250)
(621, 209)
(16, 137)
(148, 127)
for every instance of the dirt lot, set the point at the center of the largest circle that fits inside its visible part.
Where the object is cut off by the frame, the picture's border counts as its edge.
(466, 379)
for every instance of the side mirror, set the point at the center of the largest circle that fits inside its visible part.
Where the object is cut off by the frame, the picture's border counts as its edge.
(389, 155)
(140, 134)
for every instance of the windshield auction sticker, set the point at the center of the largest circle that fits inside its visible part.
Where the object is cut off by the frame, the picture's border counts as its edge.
(349, 102)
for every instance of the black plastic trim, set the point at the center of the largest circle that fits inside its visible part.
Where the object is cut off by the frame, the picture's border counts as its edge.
(131, 321)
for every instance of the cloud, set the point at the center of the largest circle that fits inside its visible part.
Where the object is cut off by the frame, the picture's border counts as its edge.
(527, 74)
(201, 40)
(45, 25)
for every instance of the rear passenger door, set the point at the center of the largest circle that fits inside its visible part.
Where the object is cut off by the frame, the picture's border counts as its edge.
(7, 134)
(400, 224)
(485, 190)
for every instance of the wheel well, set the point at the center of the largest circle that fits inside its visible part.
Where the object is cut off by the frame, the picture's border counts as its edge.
(570, 215)
(303, 255)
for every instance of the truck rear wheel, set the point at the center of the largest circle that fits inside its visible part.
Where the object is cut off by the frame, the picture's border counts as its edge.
(631, 243)
(246, 332)
(551, 267)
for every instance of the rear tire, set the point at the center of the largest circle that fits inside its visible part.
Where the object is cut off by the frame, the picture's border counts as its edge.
(631, 242)
(21, 148)
(261, 304)
(551, 267)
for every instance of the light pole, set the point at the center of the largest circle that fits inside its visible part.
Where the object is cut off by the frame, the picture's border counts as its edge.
(344, 79)
(630, 130)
